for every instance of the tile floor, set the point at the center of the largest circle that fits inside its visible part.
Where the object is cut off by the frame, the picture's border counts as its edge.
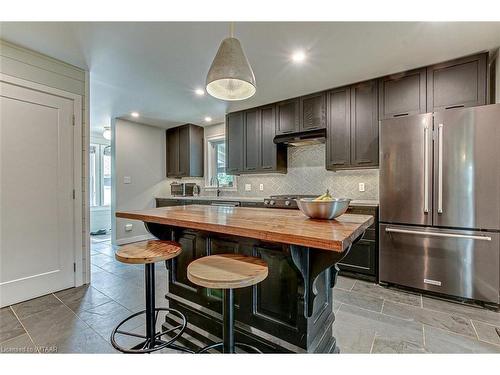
(369, 318)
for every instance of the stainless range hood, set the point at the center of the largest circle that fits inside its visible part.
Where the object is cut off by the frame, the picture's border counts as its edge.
(310, 137)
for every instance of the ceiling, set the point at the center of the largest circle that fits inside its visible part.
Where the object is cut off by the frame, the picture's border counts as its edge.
(154, 68)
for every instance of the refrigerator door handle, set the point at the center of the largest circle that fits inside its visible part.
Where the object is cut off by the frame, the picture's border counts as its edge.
(426, 169)
(440, 169)
(438, 234)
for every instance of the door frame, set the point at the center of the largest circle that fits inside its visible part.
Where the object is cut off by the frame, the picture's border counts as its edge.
(78, 248)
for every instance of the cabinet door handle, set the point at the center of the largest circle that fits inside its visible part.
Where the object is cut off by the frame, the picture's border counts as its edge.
(426, 169)
(438, 234)
(440, 169)
(455, 106)
(401, 115)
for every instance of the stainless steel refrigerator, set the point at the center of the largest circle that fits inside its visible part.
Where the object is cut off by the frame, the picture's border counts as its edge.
(440, 202)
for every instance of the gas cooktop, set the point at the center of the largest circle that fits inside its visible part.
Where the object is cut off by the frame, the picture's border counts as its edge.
(285, 200)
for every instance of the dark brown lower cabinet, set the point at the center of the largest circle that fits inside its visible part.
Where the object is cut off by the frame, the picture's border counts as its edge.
(362, 259)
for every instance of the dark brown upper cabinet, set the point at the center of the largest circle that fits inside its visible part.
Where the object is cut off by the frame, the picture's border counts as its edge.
(313, 111)
(272, 157)
(288, 116)
(364, 125)
(338, 130)
(352, 127)
(184, 151)
(249, 142)
(458, 83)
(252, 137)
(403, 94)
(235, 135)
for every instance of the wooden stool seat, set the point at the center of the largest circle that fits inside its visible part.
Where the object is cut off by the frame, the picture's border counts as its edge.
(227, 271)
(145, 252)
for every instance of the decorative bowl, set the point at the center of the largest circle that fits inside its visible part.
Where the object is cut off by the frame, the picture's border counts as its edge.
(326, 210)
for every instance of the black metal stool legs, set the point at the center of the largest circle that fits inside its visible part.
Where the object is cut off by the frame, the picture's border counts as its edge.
(228, 321)
(228, 344)
(152, 341)
(149, 273)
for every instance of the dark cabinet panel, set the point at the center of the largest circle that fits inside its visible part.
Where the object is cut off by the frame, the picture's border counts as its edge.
(364, 124)
(288, 116)
(313, 111)
(268, 150)
(172, 156)
(338, 131)
(275, 297)
(184, 151)
(234, 142)
(458, 83)
(362, 259)
(252, 140)
(402, 94)
(250, 146)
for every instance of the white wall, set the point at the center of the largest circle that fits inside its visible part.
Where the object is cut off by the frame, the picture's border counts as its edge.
(139, 152)
(497, 81)
(35, 67)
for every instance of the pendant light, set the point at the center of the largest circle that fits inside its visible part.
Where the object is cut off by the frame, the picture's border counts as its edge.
(230, 76)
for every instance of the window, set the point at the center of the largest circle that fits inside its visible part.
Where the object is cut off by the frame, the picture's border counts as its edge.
(216, 164)
(100, 175)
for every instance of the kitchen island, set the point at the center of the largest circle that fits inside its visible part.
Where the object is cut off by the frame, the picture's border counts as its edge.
(292, 309)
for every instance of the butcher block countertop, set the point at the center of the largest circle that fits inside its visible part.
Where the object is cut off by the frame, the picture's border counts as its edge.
(276, 225)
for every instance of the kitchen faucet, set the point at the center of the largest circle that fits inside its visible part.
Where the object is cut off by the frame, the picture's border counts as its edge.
(216, 179)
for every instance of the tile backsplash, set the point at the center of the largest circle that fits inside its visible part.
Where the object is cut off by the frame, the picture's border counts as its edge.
(306, 175)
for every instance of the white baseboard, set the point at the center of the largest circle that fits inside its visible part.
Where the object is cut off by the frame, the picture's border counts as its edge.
(126, 240)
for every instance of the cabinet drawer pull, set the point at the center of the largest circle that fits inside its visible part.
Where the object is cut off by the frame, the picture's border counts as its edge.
(400, 115)
(455, 106)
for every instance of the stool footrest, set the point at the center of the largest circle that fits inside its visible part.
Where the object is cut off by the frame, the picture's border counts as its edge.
(151, 344)
(237, 345)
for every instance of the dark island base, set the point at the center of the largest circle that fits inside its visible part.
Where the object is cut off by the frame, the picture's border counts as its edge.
(290, 311)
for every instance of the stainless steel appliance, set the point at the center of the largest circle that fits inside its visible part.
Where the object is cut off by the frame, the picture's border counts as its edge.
(440, 202)
(181, 189)
(285, 201)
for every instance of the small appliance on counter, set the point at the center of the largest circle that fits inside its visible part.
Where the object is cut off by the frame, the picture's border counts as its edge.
(181, 189)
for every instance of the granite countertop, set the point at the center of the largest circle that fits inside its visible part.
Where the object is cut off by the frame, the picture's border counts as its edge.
(354, 202)
(278, 225)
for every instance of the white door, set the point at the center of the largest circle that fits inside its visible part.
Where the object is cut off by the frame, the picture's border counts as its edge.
(36, 194)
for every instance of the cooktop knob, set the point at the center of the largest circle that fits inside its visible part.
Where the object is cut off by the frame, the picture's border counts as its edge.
(287, 203)
(266, 202)
(272, 203)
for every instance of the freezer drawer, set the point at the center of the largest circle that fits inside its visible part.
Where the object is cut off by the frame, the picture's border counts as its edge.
(454, 262)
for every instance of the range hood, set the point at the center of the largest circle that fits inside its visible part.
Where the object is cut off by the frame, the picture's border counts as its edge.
(310, 137)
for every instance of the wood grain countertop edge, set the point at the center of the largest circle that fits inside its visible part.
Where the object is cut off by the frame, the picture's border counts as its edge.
(271, 236)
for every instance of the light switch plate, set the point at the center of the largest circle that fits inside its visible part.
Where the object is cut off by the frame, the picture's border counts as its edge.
(361, 186)
(127, 180)
(261, 187)
(248, 187)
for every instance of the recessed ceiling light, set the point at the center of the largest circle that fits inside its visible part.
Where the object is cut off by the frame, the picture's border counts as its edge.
(134, 114)
(208, 119)
(298, 56)
(199, 92)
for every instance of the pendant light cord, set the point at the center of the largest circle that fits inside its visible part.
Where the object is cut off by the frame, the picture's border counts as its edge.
(231, 29)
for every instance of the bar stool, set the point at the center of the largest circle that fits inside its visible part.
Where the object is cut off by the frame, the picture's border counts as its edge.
(227, 272)
(148, 253)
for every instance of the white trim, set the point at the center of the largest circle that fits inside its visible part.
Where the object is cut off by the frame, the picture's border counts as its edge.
(77, 163)
(126, 240)
(208, 151)
(86, 200)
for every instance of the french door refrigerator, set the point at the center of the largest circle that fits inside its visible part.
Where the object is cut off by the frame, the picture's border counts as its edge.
(440, 202)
